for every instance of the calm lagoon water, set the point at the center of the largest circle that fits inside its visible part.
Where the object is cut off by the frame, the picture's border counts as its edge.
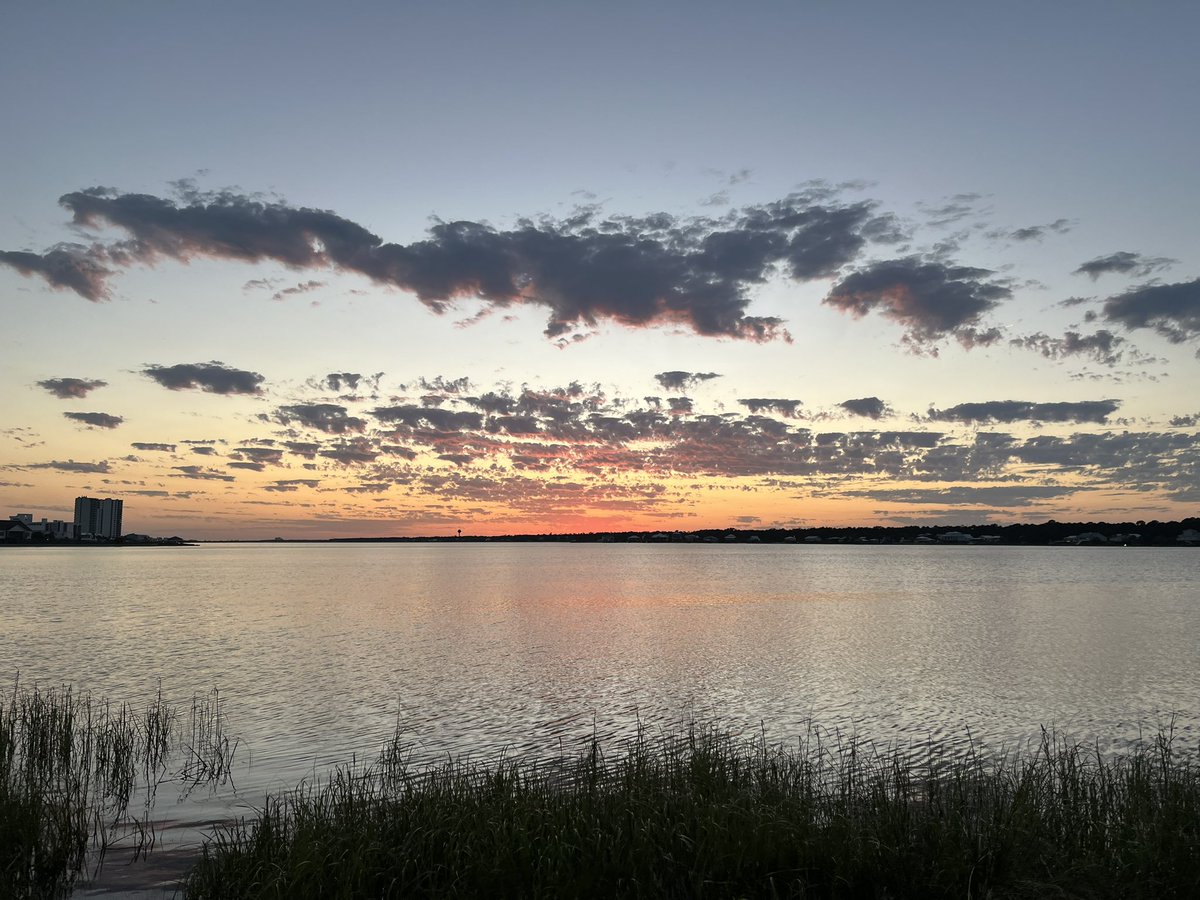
(320, 650)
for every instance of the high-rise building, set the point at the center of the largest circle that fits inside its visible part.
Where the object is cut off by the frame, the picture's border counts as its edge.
(96, 518)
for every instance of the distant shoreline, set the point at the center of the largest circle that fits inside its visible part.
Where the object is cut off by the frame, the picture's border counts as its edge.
(1182, 533)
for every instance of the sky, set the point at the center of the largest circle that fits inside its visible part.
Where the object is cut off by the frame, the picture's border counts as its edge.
(313, 270)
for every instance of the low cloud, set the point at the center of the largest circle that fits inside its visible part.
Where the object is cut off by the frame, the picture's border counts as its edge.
(337, 381)
(303, 288)
(212, 377)
(69, 266)
(1104, 347)
(999, 496)
(1005, 411)
(930, 299)
(288, 485)
(71, 388)
(653, 270)
(199, 473)
(786, 408)
(163, 448)
(683, 381)
(1123, 262)
(1173, 310)
(71, 465)
(868, 407)
(95, 419)
(1037, 232)
(327, 417)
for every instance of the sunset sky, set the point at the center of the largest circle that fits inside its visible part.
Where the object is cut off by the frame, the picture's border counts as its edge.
(318, 270)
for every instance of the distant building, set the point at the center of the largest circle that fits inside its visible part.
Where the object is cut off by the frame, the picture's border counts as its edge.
(96, 518)
(22, 527)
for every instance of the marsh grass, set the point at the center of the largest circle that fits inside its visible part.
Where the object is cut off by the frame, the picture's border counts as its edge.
(700, 813)
(78, 774)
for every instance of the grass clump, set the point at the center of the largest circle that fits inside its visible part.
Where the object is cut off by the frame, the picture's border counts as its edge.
(699, 813)
(78, 773)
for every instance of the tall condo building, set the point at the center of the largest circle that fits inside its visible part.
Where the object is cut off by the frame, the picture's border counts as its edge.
(95, 518)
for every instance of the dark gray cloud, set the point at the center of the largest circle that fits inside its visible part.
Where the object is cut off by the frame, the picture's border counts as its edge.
(999, 495)
(292, 484)
(163, 448)
(1124, 262)
(971, 337)
(1185, 421)
(327, 417)
(352, 452)
(95, 419)
(71, 388)
(260, 455)
(1173, 310)
(992, 411)
(337, 381)
(302, 288)
(199, 473)
(772, 404)
(305, 449)
(930, 299)
(212, 377)
(1104, 347)
(683, 381)
(68, 266)
(83, 468)
(638, 271)
(868, 407)
(428, 417)
(1037, 232)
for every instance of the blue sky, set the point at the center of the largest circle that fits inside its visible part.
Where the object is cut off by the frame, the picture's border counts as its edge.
(998, 240)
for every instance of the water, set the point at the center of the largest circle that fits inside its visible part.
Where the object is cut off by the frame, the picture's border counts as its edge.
(320, 650)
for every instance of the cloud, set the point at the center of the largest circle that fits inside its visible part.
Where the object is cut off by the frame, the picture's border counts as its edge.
(1173, 310)
(199, 473)
(1185, 421)
(955, 209)
(71, 466)
(682, 381)
(783, 407)
(303, 288)
(428, 417)
(335, 381)
(71, 388)
(868, 407)
(930, 299)
(993, 411)
(95, 419)
(1001, 496)
(1103, 346)
(67, 266)
(271, 455)
(1123, 262)
(1037, 232)
(292, 484)
(163, 448)
(327, 417)
(353, 452)
(654, 270)
(212, 377)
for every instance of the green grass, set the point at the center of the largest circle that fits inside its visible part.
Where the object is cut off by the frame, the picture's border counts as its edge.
(78, 773)
(701, 814)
